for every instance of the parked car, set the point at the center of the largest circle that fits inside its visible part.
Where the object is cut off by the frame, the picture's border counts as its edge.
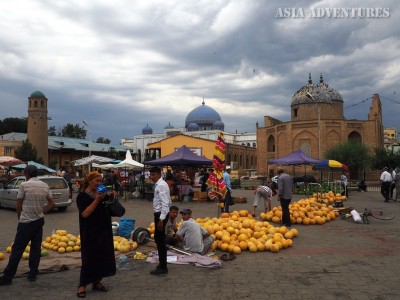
(58, 187)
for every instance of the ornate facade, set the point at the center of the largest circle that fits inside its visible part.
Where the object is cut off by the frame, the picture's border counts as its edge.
(317, 123)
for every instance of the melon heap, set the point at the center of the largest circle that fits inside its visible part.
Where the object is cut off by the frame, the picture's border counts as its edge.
(329, 197)
(308, 211)
(25, 254)
(62, 241)
(123, 245)
(238, 231)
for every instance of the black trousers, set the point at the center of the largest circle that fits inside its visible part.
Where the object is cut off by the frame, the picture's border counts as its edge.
(159, 238)
(227, 201)
(385, 189)
(26, 232)
(285, 212)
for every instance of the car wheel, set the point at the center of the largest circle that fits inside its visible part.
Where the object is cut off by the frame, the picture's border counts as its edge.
(63, 208)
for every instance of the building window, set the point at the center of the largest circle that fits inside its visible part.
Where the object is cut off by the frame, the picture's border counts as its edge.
(8, 150)
(295, 112)
(35, 104)
(254, 145)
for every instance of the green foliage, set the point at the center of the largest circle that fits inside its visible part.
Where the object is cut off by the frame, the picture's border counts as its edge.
(27, 152)
(74, 131)
(52, 131)
(103, 140)
(14, 125)
(385, 158)
(112, 153)
(356, 156)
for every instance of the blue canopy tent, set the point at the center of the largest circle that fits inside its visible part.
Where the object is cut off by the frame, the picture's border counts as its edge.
(181, 157)
(296, 158)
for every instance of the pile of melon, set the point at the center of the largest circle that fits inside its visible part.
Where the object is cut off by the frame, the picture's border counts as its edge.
(123, 245)
(25, 254)
(62, 242)
(308, 211)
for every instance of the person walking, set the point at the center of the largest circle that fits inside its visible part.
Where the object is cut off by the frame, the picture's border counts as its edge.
(344, 178)
(285, 189)
(397, 183)
(386, 180)
(97, 245)
(161, 204)
(34, 199)
(228, 196)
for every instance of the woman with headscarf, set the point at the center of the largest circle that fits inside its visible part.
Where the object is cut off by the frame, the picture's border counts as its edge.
(97, 247)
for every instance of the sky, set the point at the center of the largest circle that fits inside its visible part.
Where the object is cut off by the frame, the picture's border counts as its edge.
(120, 65)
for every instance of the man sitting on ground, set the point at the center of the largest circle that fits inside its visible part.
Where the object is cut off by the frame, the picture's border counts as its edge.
(192, 236)
(170, 227)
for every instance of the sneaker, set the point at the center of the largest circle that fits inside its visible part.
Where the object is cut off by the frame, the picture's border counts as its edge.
(159, 271)
(5, 281)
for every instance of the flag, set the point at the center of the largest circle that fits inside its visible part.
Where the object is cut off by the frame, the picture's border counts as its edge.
(217, 188)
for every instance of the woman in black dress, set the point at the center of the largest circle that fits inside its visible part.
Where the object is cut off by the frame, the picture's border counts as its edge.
(97, 246)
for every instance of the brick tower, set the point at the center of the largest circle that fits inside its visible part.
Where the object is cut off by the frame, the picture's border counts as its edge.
(37, 125)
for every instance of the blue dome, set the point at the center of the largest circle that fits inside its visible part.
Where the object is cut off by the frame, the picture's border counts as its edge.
(204, 116)
(147, 130)
(169, 126)
(38, 94)
(218, 125)
(193, 127)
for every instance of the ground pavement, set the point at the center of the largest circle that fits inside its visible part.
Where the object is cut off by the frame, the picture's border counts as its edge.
(338, 260)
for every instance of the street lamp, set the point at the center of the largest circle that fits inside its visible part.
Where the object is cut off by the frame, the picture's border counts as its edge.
(90, 150)
(309, 96)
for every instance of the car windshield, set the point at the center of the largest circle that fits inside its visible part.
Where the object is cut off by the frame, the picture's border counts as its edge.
(55, 183)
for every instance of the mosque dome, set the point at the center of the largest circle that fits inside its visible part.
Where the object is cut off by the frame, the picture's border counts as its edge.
(204, 116)
(38, 94)
(147, 130)
(311, 93)
(193, 127)
(169, 126)
(334, 94)
(218, 125)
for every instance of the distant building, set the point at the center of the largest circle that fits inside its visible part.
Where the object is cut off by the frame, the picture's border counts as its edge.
(202, 123)
(317, 123)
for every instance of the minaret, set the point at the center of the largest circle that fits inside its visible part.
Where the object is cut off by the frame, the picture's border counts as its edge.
(38, 126)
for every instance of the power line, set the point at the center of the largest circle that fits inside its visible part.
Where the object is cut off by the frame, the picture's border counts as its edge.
(358, 103)
(391, 100)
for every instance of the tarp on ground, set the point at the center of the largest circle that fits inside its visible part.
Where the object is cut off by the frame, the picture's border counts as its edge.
(298, 157)
(181, 157)
(92, 159)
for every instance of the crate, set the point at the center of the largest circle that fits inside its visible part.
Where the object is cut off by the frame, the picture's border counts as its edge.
(199, 196)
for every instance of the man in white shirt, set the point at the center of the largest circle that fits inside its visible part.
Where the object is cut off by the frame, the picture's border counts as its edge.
(263, 192)
(161, 204)
(386, 180)
(193, 237)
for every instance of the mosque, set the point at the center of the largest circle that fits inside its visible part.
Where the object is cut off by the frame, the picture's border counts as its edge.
(199, 133)
(317, 123)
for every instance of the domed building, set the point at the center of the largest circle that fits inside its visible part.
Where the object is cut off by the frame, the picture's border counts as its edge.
(202, 125)
(317, 123)
(205, 117)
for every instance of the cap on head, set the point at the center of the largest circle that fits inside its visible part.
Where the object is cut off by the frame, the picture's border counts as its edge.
(31, 171)
(186, 211)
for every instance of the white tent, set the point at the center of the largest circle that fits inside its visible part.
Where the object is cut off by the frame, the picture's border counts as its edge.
(129, 163)
(105, 166)
(92, 159)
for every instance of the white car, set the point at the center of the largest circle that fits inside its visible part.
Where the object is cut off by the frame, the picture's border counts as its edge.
(58, 187)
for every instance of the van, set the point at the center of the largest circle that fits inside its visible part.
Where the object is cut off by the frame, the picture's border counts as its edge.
(58, 187)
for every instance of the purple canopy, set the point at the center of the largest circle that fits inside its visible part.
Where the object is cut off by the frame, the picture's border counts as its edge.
(298, 157)
(181, 157)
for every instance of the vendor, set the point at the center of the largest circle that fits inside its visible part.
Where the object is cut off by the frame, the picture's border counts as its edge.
(171, 227)
(192, 236)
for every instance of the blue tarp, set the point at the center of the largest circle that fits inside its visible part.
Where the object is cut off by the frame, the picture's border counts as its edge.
(298, 157)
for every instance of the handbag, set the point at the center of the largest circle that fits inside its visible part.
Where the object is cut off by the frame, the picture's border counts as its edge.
(115, 208)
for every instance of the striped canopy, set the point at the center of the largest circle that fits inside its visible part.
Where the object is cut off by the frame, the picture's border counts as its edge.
(330, 163)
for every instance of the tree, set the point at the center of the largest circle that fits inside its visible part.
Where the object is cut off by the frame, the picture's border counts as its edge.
(74, 131)
(27, 152)
(356, 156)
(103, 140)
(112, 153)
(52, 131)
(385, 158)
(14, 125)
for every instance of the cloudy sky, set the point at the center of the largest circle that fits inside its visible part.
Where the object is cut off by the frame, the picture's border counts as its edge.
(123, 64)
